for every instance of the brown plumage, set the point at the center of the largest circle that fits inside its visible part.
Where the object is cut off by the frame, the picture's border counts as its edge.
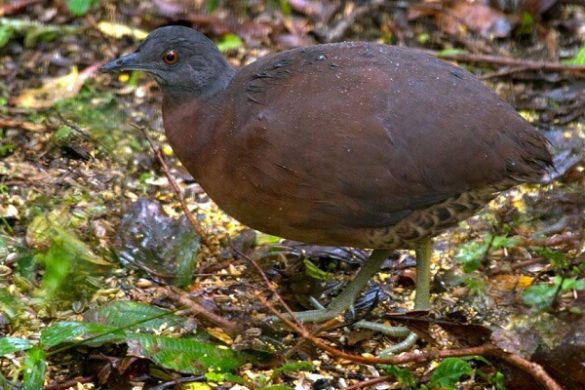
(354, 144)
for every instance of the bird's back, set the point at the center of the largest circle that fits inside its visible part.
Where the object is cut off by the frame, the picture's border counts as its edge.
(335, 143)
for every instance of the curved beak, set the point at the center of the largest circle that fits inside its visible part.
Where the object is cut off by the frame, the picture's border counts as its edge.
(128, 62)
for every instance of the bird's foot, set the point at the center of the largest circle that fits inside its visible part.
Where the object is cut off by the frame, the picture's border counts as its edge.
(323, 315)
(409, 337)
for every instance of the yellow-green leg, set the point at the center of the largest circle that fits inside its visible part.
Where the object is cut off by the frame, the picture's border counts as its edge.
(344, 300)
(424, 251)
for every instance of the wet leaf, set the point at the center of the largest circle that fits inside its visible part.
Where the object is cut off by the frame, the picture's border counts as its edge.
(150, 240)
(124, 313)
(185, 355)
(80, 332)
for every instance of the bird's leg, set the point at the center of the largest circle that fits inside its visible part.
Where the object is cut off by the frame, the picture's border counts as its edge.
(369, 269)
(424, 251)
(424, 254)
(351, 291)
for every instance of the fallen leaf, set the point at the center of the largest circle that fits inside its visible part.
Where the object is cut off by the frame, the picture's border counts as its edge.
(117, 30)
(54, 89)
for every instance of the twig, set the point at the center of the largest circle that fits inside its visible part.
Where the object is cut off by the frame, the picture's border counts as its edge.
(564, 238)
(341, 27)
(17, 6)
(576, 70)
(503, 72)
(270, 286)
(176, 189)
(72, 383)
(368, 383)
(20, 124)
(184, 298)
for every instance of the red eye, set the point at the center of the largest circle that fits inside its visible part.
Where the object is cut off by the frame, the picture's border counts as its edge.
(170, 57)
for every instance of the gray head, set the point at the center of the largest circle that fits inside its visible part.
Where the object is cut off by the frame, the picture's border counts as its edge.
(181, 60)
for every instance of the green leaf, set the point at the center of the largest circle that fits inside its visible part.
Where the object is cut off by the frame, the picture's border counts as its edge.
(10, 305)
(124, 313)
(470, 255)
(79, 7)
(266, 239)
(449, 373)
(220, 377)
(498, 380)
(13, 344)
(58, 263)
(579, 58)
(570, 284)
(556, 258)
(34, 369)
(185, 251)
(451, 52)
(312, 271)
(285, 7)
(185, 355)
(212, 5)
(229, 42)
(539, 296)
(526, 24)
(403, 375)
(6, 34)
(503, 241)
(80, 332)
(291, 367)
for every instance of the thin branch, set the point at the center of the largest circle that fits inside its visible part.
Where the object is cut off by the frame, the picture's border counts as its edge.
(576, 70)
(272, 289)
(184, 298)
(338, 31)
(21, 124)
(369, 383)
(71, 383)
(17, 6)
(176, 189)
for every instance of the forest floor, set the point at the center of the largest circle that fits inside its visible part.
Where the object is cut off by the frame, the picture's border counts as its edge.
(105, 284)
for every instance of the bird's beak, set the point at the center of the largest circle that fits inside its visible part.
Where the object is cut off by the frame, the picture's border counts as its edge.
(128, 62)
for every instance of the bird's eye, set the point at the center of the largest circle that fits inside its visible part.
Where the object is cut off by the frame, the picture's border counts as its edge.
(170, 57)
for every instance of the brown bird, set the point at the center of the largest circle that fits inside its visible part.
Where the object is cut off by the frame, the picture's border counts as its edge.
(354, 144)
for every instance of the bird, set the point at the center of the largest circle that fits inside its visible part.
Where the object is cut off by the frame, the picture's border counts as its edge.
(350, 144)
